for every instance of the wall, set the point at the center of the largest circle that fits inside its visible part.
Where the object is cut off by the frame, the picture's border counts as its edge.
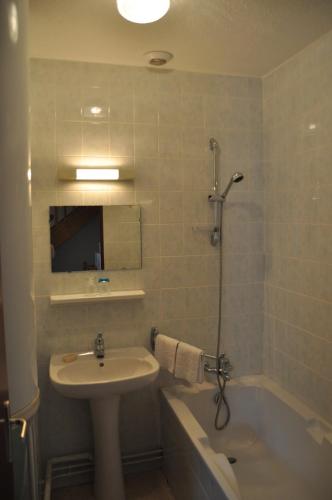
(159, 122)
(15, 209)
(122, 238)
(298, 230)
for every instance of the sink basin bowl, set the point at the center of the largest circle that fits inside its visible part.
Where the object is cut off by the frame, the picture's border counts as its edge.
(120, 371)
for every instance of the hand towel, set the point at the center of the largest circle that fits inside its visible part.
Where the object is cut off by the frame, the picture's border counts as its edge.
(165, 352)
(189, 363)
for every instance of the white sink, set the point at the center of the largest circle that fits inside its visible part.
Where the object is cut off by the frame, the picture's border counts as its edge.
(102, 381)
(120, 371)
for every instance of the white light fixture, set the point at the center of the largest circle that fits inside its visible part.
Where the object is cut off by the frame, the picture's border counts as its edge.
(97, 174)
(85, 173)
(143, 11)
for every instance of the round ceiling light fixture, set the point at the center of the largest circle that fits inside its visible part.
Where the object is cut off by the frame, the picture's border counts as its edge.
(143, 11)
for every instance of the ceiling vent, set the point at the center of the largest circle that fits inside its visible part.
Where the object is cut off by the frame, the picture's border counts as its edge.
(158, 57)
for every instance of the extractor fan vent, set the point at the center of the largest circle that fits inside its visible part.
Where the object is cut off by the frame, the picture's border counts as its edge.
(158, 57)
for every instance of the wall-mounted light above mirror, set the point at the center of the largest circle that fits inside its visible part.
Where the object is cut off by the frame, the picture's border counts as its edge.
(85, 173)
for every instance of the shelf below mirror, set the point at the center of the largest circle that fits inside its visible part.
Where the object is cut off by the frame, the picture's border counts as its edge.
(97, 296)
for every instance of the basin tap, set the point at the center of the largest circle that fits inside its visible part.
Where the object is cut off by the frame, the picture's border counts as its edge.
(99, 346)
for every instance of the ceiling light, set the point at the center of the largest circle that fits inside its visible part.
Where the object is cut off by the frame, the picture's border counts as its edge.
(143, 11)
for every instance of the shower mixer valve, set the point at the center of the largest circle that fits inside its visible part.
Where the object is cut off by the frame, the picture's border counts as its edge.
(223, 366)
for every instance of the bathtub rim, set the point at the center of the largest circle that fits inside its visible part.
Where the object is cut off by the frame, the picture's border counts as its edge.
(264, 382)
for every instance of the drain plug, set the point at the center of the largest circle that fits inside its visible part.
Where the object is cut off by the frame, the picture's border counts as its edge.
(232, 460)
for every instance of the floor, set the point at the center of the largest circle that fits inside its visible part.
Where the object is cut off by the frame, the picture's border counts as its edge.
(150, 485)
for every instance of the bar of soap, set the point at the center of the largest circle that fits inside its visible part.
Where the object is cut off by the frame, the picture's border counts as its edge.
(69, 358)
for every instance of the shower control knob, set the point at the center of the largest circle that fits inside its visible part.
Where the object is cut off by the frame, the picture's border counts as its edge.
(225, 364)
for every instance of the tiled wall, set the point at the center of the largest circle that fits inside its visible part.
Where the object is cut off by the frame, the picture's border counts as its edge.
(122, 239)
(298, 230)
(159, 122)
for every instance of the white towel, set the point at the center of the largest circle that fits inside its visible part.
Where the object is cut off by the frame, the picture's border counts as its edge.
(189, 363)
(165, 352)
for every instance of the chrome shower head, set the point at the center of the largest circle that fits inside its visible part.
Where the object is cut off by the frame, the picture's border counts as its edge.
(236, 177)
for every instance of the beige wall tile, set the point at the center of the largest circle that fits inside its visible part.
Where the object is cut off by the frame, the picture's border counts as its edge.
(69, 137)
(171, 239)
(146, 141)
(171, 207)
(121, 139)
(173, 303)
(95, 139)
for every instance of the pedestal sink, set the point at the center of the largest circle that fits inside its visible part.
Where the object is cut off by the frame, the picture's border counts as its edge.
(102, 381)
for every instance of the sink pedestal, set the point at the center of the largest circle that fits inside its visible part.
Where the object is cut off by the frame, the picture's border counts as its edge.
(108, 466)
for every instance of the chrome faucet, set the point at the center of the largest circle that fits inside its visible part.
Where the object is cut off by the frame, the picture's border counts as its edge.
(99, 350)
(223, 367)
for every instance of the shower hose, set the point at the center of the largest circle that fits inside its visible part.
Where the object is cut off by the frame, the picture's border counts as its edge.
(220, 399)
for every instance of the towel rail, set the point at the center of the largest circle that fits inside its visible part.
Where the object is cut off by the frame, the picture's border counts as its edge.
(153, 335)
(222, 364)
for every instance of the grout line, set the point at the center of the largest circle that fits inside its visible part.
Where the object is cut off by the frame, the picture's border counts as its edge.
(293, 325)
(287, 355)
(298, 293)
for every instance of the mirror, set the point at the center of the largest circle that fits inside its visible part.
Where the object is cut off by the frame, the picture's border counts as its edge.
(85, 238)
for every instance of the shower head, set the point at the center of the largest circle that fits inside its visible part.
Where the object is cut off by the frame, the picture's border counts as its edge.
(236, 177)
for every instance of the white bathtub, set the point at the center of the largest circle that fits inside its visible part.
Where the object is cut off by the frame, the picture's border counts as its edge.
(283, 449)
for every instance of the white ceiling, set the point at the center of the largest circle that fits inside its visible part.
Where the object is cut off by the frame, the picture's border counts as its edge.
(239, 37)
